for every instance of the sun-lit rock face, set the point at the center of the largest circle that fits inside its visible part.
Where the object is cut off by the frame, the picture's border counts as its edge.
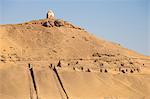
(50, 14)
(56, 59)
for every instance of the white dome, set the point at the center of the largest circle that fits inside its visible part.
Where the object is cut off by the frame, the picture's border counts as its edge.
(50, 14)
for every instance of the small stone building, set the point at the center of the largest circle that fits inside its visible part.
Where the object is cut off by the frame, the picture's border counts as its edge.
(50, 14)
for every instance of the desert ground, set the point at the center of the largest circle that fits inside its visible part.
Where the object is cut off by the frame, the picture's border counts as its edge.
(54, 59)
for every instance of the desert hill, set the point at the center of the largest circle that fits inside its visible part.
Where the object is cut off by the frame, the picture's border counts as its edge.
(52, 58)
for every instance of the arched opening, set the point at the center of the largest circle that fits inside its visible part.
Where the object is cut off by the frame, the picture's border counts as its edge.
(88, 70)
(101, 70)
(138, 70)
(131, 71)
(123, 71)
(106, 71)
(81, 68)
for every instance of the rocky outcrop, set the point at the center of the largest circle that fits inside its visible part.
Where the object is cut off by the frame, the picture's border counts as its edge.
(54, 23)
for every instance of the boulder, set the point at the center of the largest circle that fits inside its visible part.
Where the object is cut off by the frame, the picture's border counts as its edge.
(46, 24)
(59, 23)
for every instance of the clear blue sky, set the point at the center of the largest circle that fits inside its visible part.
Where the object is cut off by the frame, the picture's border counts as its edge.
(126, 22)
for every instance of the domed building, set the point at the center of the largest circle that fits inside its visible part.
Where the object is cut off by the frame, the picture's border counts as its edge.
(50, 14)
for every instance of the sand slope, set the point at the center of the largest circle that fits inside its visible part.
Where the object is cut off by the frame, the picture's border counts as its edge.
(63, 61)
(99, 86)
